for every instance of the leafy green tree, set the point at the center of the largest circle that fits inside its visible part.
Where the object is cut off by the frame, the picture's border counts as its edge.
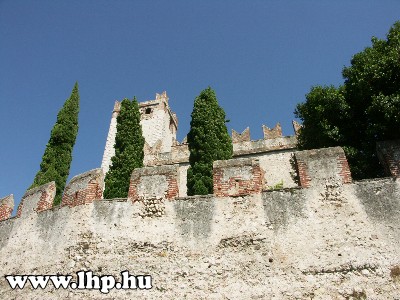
(129, 143)
(57, 157)
(364, 110)
(208, 141)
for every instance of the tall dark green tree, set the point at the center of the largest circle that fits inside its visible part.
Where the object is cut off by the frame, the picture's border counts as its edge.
(208, 141)
(364, 110)
(57, 157)
(129, 143)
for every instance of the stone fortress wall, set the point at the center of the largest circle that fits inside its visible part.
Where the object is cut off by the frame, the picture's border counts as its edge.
(281, 224)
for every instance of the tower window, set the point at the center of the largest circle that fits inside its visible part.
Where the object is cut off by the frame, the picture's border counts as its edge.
(148, 111)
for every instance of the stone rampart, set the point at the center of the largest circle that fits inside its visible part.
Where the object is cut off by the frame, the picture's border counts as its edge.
(331, 239)
(84, 188)
(318, 166)
(288, 244)
(389, 155)
(37, 199)
(237, 177)
(154, 183)
(6, 207)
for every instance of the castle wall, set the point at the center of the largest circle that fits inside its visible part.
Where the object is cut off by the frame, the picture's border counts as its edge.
(330, 239)
(300, 243)
(156, 127)
(278, 169)
(84, 188)
(109, 150)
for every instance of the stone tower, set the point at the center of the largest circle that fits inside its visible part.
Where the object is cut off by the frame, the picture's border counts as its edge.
(159, 125)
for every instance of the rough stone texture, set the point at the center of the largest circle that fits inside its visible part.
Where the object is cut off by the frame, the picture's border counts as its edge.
(278, 169)
(325, 242)
(158, 122)
(154, 183)
(241, 137)
(272, 133)
(159, 125)
(296, 127)
(263, 146)
(179, 154)
(84, 188)
(389, 155)
(183, 179)
(6, 207)
(237, 177)
(37, 199)
(316, 167)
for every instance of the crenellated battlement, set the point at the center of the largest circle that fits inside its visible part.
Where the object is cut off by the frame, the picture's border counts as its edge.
(232, 178)
(302, 237)
(280, 222)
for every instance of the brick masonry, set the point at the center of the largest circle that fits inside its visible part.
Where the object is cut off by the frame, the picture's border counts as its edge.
(318, 166)
(84, 188)
(389, 156)
(37, 199)
(272, 133)
(6, 207)
(241, 137)
(237, 177)
(154, 183)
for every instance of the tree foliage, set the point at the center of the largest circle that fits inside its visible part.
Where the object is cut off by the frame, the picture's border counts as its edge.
(364, 110)
(208, 141)
(57, 157)
(129, 143)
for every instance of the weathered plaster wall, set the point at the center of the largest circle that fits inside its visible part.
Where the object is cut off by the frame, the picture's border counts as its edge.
(329, 242)
(332, 239)
(278, 169)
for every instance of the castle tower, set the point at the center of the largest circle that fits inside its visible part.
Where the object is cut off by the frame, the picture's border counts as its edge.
(159, 125)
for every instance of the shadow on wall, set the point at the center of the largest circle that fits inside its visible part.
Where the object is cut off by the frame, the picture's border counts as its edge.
(195, 215)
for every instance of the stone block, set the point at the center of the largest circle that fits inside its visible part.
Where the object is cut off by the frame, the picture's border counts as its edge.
(6, 207)
(84, 188)
(237, 177)
(159, 182)
(272, 133)
(37, 199)
(316, 167)
(241, 137)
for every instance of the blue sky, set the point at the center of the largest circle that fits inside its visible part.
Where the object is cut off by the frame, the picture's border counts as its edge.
(261, 57)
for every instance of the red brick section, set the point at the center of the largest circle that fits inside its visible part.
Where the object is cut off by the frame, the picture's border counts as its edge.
(46, 199)
(19, 209)
(303, 158)
(241, 137)
(237, 186)
(91, 192)
(272, 133)
(44, 195)
(344, 168)
(389, 156)
(84, 188)
(173, 188)
(302, 171)
(6, 207)
(170, 172)
(132, 193)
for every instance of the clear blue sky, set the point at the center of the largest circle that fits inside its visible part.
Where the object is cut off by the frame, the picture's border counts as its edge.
(261, 57)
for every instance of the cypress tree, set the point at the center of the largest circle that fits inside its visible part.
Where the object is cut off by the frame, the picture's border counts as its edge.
(57, 157)
(208, 141)
(129, 143)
